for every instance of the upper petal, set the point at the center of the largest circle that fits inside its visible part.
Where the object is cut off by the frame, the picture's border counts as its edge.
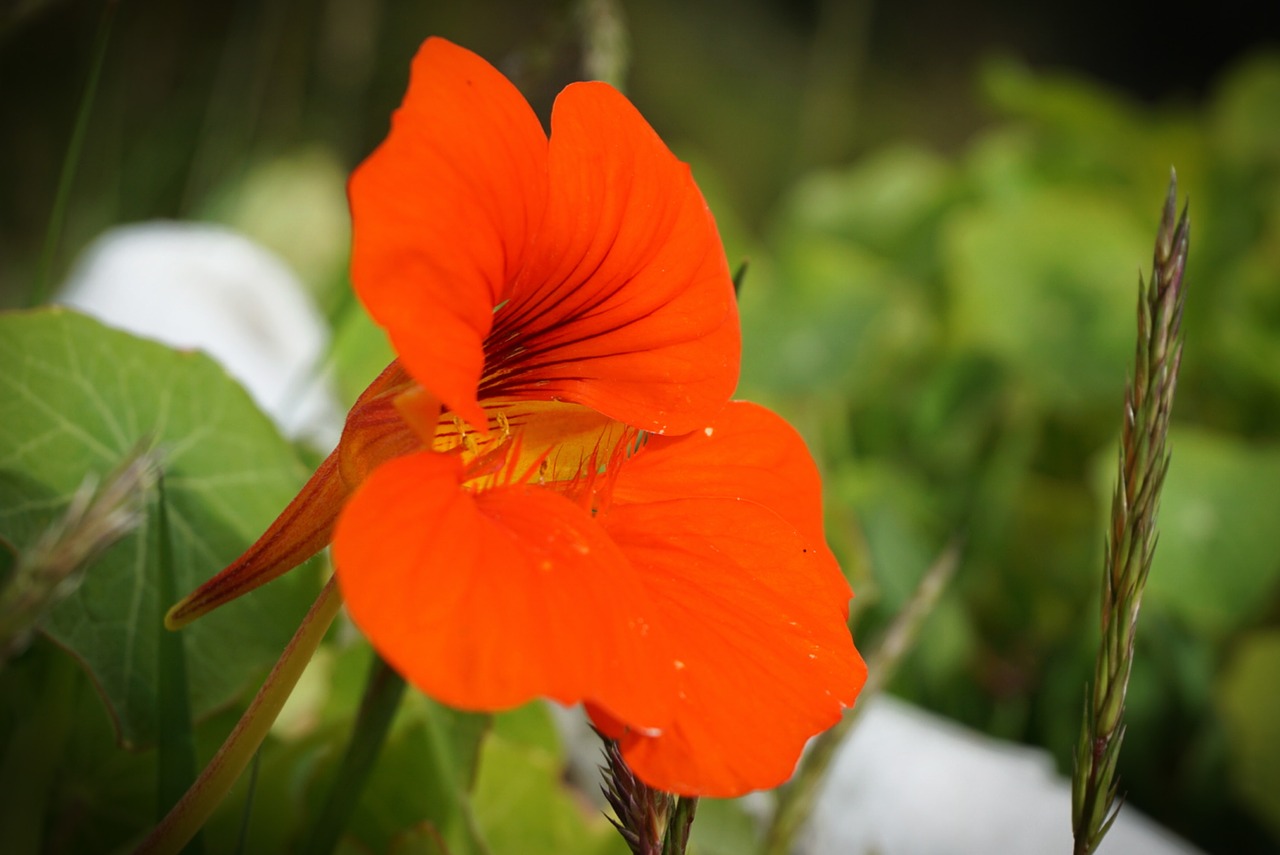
(442, 214)
(626, 304)
(487, 601)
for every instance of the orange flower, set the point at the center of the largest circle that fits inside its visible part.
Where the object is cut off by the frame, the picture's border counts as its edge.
(547, 493)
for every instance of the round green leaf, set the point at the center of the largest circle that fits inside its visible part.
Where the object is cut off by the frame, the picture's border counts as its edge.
(75, 398)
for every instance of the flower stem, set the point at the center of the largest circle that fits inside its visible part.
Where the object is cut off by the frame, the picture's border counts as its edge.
(796, 799)
(1131, 539)
(382, 692)
(208, 791)
(676, 838)
(605, 48)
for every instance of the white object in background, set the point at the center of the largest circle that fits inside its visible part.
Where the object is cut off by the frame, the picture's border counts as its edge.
(909, 782)
(195, 285)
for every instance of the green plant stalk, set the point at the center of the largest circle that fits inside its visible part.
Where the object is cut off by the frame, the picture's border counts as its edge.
(242, 839)
(676, 838)
(651, 821)
(796, 799)
(211, 787)
(176, 745)
(382, 692)
(71, 161)
(605, 49)
(1131, 538)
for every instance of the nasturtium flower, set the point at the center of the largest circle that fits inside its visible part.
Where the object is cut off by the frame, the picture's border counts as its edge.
(549, 493)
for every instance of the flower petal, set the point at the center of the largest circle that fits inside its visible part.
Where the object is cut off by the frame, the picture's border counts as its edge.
(753, 599)
(487, 601)
(767, 660)
(442, 214)
(746, 453)
(626, 303)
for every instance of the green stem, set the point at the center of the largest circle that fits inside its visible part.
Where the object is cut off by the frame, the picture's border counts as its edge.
(199, 802)
(382, 692)
(71, 160)
(176, 746)
(605, 49)
(676, 838)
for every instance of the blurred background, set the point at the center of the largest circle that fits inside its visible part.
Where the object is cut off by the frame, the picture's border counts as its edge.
(944, 209)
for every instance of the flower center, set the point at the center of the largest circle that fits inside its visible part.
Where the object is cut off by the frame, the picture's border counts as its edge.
(567, 448)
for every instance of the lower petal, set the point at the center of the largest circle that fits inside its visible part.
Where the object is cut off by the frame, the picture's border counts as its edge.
(487, 601)
(766, 660)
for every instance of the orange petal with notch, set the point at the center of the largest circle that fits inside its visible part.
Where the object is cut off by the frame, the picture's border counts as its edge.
(625, 304)
(487, 601)
(442, 213)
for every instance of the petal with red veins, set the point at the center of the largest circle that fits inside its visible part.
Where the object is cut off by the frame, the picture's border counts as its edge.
(626, 304)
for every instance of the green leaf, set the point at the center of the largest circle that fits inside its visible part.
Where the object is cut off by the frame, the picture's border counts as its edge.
(436, 749)
(1079, 112)
(524, 808)
(75, 396)
(887, 202)
(724, 827)
(1048, 284)
(839, 321)
(1246, 112)
(418, 794)
(1250, 707)
(1216, 560)
(360, 351)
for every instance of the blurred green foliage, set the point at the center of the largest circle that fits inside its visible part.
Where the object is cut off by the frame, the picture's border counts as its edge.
(950, 328)
(954, 334)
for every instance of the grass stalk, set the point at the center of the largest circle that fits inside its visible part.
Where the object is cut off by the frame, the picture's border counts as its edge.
(651, 821)
(1131, 537)
(71, 161)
